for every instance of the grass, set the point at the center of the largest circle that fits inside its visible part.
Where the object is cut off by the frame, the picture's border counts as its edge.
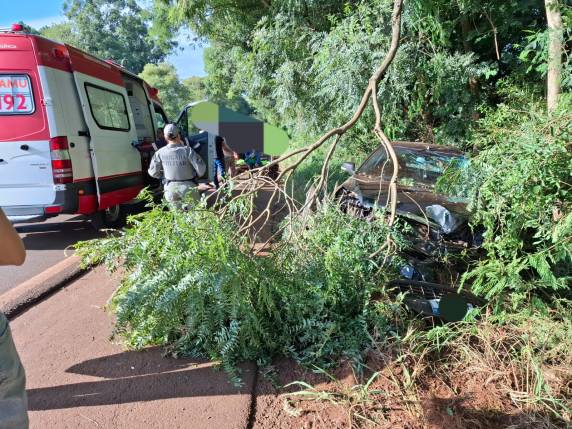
(360, 400)
(512, 370)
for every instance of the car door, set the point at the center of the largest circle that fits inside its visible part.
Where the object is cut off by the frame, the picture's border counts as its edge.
(116, 162)
(202, 142)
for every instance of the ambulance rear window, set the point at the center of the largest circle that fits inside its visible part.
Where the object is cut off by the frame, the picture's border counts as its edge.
(16, 96)
(108, 108)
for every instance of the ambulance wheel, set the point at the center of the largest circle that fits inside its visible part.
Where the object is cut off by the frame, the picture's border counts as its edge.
(112, 217)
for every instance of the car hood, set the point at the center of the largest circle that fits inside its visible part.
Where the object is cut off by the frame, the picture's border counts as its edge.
(412, 202)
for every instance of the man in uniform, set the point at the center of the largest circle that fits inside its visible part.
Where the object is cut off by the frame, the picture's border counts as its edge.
(179, 166)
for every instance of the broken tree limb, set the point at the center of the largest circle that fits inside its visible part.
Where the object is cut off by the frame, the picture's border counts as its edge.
(256, 176)
(370, 92)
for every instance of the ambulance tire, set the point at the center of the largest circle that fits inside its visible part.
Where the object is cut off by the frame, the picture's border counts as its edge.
(112, 217)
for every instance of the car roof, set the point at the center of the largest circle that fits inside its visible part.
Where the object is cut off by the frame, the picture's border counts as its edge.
(426, 146)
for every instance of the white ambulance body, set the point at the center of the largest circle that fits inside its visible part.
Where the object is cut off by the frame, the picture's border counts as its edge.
(70, 125)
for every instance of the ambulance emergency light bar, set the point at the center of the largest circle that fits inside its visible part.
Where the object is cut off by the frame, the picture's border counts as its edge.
(15, 28)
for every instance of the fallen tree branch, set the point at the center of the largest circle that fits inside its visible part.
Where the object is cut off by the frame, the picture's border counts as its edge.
(256, 176)
(370, 92)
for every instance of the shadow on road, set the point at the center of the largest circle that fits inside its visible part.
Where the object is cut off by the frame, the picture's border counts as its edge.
(56, 236)
(136, 377)
(129, 364)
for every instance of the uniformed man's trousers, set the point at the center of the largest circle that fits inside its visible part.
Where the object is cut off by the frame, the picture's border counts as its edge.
(13, 402)
(177, 192)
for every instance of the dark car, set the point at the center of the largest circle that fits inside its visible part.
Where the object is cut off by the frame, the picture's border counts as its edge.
(441, 243)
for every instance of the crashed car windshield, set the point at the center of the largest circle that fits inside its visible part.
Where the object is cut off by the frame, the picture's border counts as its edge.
(417, 167)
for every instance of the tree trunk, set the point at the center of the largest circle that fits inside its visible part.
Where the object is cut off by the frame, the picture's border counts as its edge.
(465, 30)
(555, 48)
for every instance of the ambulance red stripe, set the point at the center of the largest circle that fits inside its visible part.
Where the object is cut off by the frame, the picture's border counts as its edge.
(110, 199)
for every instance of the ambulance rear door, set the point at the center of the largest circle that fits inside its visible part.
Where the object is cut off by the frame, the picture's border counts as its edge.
(111, 128)
(26, 180)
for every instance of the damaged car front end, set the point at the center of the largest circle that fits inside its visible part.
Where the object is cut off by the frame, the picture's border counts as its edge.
(436, 225)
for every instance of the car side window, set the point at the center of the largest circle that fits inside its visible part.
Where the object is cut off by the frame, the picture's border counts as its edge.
(378, 164)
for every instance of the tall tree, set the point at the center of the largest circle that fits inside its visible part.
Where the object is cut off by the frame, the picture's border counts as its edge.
(196, 88)
(555, 50)
(115, 29)
(173, 93)
(61, 32)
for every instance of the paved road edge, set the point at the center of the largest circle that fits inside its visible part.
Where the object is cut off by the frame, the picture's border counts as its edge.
(29, 293)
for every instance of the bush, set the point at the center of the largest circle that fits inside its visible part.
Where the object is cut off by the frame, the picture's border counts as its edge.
(189, 285)
(520, 191)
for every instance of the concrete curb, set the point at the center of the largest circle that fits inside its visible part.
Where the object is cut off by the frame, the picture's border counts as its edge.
(27, 294)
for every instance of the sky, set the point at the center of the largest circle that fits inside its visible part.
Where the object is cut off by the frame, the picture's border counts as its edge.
(37, 13)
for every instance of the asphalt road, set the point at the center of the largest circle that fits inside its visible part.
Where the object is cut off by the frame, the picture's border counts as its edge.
(47, 243)
(77, 378)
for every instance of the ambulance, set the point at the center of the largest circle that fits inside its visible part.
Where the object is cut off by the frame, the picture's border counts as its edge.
(71, 131)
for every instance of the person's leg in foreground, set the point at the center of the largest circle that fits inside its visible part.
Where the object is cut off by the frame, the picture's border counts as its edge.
(13, 401)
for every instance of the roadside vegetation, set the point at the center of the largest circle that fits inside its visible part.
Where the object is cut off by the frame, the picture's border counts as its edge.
(473, 74)
(321, 299)
(192, 287)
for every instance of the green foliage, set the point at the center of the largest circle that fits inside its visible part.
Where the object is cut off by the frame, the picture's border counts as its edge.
(196, 87)
(191, 286)
(61, 32)
(520, 191)
(315, 81)
(304, 65)
(174, 94)
(112, 29)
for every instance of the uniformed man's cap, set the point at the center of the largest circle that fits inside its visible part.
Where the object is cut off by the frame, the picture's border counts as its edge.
(171, 131)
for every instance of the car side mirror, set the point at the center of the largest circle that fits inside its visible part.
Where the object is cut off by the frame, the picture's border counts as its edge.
(349, 167)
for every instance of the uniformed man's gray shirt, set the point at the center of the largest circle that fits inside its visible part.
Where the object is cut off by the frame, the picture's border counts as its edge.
(176, 163)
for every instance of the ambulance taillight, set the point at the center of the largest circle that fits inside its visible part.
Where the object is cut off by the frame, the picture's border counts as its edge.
(61, 161)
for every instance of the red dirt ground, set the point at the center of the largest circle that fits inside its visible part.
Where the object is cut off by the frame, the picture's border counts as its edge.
(467, 403)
